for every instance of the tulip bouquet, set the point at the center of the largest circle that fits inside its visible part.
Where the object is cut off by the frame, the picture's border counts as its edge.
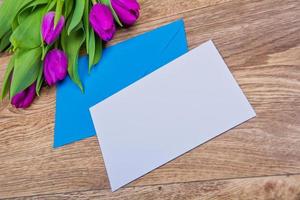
(46, 36)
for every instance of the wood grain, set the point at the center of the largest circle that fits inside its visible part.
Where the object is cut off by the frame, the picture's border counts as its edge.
(277, 187)
(260, 42)
(154, 10)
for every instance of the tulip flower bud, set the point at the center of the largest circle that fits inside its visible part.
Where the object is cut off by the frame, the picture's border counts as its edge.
(102, 21)
(55, 66)
(50, 32)
(127, 10)
(24, 98)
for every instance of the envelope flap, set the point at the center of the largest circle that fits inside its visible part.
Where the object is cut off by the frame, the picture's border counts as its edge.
(166, 44)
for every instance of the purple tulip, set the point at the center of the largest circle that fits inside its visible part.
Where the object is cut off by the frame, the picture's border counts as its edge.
(50, 32)
(24, 98)
(102, 21)
(55, 66)
(127, 10)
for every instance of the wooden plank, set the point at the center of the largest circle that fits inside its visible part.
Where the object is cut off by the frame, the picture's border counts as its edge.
(154, 10)
(260, 42)
(277, 187)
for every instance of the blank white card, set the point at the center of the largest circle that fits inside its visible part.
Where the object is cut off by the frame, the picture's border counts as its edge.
(167, 113)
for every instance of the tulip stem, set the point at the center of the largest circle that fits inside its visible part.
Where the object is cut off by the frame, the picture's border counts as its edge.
(43, 53)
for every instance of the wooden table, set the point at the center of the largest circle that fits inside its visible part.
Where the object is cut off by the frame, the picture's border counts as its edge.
(260, 41)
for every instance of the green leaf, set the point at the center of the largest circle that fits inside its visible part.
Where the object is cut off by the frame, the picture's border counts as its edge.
(77, 15)
(15, 23)
(91, 48)
(108, 3)
(27, 35)
(8, 10)
(6, 80)
(71, 45)
(35, 3)
(58, 11)
(86, 24)
(4, 43)
(26, 69)
(98, 50)
(51, 5)
(21, 17)
(39, 81)
(68, 7)
(27, 10)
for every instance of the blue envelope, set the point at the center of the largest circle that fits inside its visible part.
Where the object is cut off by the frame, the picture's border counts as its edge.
(120, 66)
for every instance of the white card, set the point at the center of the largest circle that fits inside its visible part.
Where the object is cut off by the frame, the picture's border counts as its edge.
(167, 113)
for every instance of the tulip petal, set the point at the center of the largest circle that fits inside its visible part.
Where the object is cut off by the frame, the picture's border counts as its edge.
(24, 98)
(55, 66)
(102, 21)
(127, 10)
(29, 97)
(50, 32)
